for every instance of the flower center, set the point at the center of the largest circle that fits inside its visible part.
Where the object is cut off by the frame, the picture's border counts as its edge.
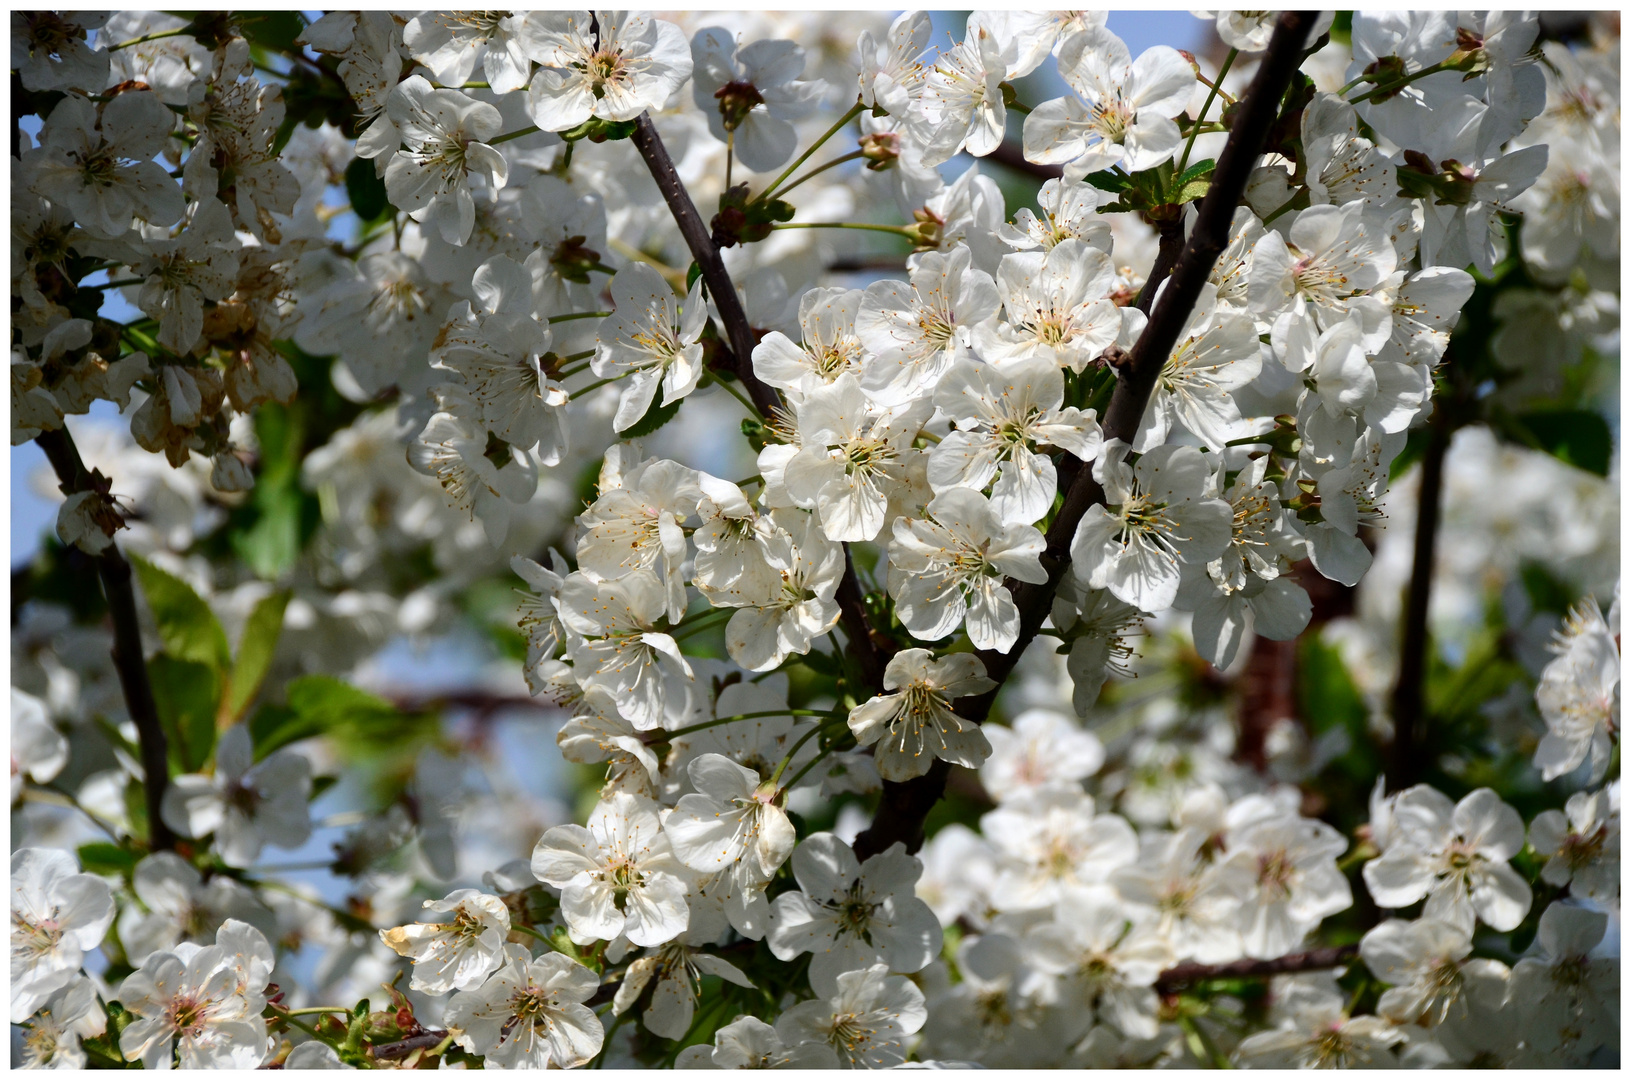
(736, 101)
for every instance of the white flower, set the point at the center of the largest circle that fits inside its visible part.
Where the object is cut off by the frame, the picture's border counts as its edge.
(539, 620)
(1325, 271)
(38, 749)
(851, 457)
(676, 969)
(1342, 165)
(1107, 962)
(1455, 855)
(530, 1014)
(1468, 229)
(915, 724)
(200, 264)
(1195, 900)
(1040, 748)
(457, 954)
(245, 804)
(449, 42)
(731, 822)
(1217, 353)
(918, 330)
(1156, 516)
(1097, 625)
(617, 875)
(209, 999)
(596, 733)
(631, 62)
(866, 1018)
(951, 563)
(1001, 415)
(1426, 962)
(613, 642)
(52, 1037)
(1570, 996)
(849, 914)
(181, 907)
(1583, 847)
(58, 915)
(1315, 1033)
(650, 341)
(750, 1043)
(890, 70)
(752, 95)
(486, 480)
(447, 134)
(1350, 496)
(1070, 211)
(1579, 696)
(1124, 112)
(49, 50)
(102, 169)
(781, 612)
(1050, 843)
(314, 1055)
(495, 347)
(829, 349)
(961, 106)
(635, 523)
(1057, 305)
(1289, 881)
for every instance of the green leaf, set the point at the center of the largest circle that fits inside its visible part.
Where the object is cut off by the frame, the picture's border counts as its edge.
(1109, 181)
(1190, 192)
(1577, 436)
(655, 417)
(186, 693)
(275, 30)
(107, 859)
(322, 705)
(1195, 172)
(187, 626)
(255, 652)
(366, 189)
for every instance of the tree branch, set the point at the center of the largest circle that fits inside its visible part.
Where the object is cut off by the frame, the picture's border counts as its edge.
(1409, 691)
(903, 807)
(128, 659)
(862, 639)
(402, 1048)
(1174, 978)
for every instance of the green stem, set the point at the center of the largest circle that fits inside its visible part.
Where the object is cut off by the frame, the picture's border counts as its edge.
(1400, 84)
(812, 763)
(1228, 61)
(781, 766)
(1219, 1060)
(314, 1010)
(737, 394)
(818, 170)
(706, 621)
(596, 385)
(677, 732)
(571, 371)
(754, 479)
(508, 135)
(730, 156)
(148, 37)
(898, 230)
(553, 319)
(843, 122)
(1283, 208)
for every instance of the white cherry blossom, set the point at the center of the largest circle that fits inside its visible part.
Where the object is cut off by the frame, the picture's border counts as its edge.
(913, 722)
(458, 953)
(531, 1013)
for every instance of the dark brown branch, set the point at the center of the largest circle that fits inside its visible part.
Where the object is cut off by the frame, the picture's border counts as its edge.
(902, 808)
(739, 333)
(1012, 156)
(1409, 690)
(1175, 978)
(401, 1049)
(1170, 246)
(127, 645)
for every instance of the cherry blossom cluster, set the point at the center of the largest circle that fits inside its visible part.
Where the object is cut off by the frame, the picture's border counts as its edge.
(514, 326)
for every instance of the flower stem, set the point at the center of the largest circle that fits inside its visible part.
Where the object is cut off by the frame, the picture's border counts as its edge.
(781, 766)
(1228, 61)
(1399, 84)
(737, 394)
(148, 37)
(818, 170)
(677, 732)
(843, 122)
(508, 135)
(898, 230)
(812, 763)
(553, 319)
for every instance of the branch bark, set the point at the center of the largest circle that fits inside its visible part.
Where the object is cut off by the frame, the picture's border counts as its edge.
(1172, 979)
(902, 808)
(1409, 691)
(128, 659)
(863, 644)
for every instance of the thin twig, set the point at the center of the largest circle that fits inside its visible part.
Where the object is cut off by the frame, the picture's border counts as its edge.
(1174, 978)
(128, 658)
(1409, 691)
(903, 807)
(393, 1050)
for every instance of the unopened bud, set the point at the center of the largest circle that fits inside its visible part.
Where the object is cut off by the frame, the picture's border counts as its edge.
(880, 149)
